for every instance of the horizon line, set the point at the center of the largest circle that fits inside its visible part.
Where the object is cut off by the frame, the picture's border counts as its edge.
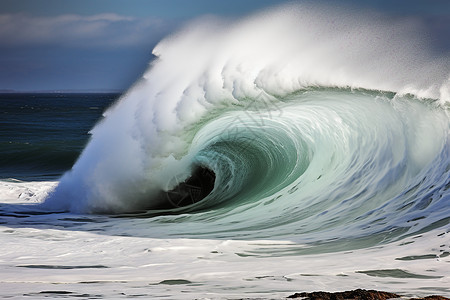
(55, 91)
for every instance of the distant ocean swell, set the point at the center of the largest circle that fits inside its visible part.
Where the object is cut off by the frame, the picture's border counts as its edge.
(311, 137)
(43, 134)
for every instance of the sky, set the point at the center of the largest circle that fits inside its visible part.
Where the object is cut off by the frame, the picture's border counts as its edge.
(106, 45)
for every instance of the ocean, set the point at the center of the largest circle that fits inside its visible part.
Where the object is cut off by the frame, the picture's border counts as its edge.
(287, 151)
(42, 134)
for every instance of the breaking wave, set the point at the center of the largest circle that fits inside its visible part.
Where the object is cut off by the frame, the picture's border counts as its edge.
(316, 126)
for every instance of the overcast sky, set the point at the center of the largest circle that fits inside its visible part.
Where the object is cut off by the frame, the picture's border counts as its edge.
(103, 45)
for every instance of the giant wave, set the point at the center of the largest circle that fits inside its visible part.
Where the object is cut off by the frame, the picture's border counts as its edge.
(319, 127)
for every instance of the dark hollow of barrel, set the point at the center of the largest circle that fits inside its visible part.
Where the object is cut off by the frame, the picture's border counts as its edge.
(192, 190)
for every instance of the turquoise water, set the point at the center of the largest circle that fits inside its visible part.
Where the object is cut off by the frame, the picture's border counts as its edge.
(335, 169)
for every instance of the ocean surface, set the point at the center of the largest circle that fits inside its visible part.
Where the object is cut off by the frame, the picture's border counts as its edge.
(42, 134)
(254, 159)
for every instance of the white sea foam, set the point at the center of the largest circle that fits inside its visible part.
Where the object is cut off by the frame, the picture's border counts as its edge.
(17, 191)
(39, 262)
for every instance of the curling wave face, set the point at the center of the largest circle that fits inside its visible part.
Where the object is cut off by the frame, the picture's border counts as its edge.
(327, 164)
(286, 109)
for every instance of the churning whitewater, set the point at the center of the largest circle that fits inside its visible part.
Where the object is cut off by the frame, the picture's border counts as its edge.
(316, 126)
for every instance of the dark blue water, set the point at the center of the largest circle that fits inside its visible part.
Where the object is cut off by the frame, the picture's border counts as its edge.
(41, 135)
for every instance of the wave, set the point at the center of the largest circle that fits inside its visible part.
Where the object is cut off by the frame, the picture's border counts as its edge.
(315, 124)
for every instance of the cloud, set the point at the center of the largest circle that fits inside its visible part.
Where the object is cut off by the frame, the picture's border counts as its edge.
(101, 30)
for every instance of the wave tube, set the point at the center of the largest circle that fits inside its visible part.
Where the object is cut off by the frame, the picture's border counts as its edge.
(316, 107)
